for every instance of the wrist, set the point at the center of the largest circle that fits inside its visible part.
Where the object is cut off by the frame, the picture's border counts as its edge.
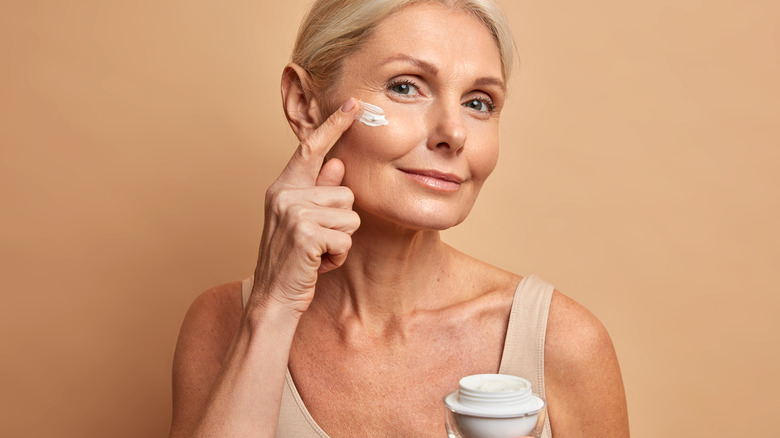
(264, 312)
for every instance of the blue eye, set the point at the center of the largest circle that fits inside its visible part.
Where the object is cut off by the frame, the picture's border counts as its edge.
(479, 105)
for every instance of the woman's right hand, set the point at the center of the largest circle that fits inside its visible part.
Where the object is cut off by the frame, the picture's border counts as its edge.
(309, 219)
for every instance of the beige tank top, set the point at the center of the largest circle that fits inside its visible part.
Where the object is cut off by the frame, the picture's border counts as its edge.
(523, 356)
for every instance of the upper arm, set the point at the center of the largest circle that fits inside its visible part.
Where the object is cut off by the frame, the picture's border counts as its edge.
(204, 339)
(582, 377)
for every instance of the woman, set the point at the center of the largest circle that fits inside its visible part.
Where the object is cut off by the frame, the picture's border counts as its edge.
(359, 319)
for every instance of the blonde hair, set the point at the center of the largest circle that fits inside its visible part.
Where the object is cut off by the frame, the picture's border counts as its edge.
(334, 29)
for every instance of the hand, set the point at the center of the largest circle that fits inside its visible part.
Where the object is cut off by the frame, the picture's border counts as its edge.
(309, 219)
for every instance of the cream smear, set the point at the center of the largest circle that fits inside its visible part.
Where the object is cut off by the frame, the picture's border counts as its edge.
(372, 115)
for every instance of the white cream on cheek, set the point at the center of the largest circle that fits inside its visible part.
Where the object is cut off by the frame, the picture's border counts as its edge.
(372, 115)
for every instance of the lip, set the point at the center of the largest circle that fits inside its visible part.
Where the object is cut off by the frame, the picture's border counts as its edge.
(435, 179)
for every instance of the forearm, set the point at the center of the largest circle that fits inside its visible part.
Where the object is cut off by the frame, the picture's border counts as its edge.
(247, 393)
(308, 226)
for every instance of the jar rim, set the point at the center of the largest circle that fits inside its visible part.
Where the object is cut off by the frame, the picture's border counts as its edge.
(453, 404)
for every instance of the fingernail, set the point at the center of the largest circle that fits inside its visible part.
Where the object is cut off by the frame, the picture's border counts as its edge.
(348, 105)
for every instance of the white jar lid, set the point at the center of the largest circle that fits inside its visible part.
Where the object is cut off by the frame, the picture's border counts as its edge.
(494, 396)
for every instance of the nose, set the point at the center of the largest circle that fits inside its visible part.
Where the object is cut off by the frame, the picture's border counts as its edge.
(448, 130)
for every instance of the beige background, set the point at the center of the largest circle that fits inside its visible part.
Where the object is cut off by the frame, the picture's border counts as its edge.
(640, 173)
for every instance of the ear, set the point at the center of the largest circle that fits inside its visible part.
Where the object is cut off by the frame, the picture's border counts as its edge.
(300, 106)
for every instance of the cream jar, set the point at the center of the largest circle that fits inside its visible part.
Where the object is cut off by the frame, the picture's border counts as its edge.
(494, 406)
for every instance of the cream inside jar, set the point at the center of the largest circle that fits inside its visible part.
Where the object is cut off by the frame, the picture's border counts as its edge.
(494, 406)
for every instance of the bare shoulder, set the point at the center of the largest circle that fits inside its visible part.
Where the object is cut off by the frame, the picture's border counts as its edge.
(573, 332)
(213, 317)
(205, 336)
(582, 377)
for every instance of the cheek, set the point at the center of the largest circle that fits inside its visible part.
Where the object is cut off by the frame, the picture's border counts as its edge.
(362, 150)
(379, 144)
(406, 126)
(485, 157)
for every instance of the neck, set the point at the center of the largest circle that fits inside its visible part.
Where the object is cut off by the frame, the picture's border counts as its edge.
(389, 272)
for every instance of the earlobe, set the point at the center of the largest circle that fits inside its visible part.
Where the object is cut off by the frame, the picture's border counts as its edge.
(300, 106)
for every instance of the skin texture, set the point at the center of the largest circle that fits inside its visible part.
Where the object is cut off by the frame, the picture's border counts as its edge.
(354, 290)
(429, 125)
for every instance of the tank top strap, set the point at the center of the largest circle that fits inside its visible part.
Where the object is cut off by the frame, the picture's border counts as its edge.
(524, 343)
(523, 353)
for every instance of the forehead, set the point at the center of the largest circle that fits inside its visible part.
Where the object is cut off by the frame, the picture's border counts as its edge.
(453, 40)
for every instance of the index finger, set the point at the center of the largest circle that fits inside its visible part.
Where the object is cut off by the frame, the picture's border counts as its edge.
(306, 162)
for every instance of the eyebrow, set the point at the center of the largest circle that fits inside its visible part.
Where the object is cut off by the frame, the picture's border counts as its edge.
(481, 82)
(423, 65)
(433, 70)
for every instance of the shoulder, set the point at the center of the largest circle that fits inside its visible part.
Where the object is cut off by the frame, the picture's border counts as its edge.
(209, 326)
(573, 332)
(215, 312)
(206, 334)
(582, 377)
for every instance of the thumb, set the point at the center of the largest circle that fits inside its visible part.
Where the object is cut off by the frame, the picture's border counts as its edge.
(332, 173)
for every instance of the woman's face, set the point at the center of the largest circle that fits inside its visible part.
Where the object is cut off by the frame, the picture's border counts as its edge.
(437, 74)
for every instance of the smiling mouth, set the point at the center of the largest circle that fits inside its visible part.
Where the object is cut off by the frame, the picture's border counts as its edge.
(436, 180)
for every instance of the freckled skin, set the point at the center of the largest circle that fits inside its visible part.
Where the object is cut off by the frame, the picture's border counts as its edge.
(360, 306)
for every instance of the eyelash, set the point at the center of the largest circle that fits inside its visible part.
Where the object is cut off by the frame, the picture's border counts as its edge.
(491, 107)
(397, 82)
(489, 103)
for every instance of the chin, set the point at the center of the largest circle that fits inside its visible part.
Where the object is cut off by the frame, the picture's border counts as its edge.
(424, 216)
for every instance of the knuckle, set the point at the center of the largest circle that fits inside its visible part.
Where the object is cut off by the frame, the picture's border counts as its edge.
(270, 193)
(333, 121)
(271, 202)
(348, 194)
(286, 203)
(352, 225)
(297, 213)
(306, 149)
(345, 242)
(310, 145)
(286, 198)
(355, 220)
(304, 232)
(342, 197)
(279, 201)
